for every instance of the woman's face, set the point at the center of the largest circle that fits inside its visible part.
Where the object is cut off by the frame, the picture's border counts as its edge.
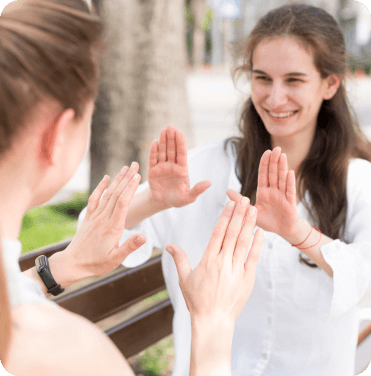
(287, 89)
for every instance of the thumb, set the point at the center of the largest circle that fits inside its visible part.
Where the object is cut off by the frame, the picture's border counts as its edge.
(233, 195)
(181, 261)
(129, 246)
(199, 188)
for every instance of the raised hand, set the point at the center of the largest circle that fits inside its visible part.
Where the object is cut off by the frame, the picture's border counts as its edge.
(95, 250)
(168, 177)
(276, 195)
(220, 285)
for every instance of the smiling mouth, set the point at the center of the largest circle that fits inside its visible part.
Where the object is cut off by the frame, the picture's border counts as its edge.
(282, 115)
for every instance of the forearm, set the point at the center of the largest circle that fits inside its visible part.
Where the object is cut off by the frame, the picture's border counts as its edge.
(62, 269)
(211, 349)
(141, 207)
(313, 252)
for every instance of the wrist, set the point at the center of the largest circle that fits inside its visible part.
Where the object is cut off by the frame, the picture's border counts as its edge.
(211, 347)
(300, 232)
(63, 269)
(156, 206)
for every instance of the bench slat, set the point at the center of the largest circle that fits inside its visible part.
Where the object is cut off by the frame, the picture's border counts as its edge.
(144, 330)
(105, 297)
(27, 260)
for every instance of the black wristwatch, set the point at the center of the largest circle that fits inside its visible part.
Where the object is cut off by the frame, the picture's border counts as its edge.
(42, 268)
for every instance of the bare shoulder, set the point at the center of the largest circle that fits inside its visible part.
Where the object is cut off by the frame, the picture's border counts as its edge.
(51, 340)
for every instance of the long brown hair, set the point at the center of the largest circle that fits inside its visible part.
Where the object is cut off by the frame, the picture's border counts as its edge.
(5, 320)
(49, 49)
(338, 136)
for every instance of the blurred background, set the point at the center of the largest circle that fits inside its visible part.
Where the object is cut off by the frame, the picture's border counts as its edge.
(168, 61)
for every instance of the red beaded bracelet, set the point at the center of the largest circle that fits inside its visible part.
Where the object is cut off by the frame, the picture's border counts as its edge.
(320, 236)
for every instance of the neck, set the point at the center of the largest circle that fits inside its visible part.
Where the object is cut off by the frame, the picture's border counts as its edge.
(16, 195)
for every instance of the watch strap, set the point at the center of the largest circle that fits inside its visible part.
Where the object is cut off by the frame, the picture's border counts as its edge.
(45, 274)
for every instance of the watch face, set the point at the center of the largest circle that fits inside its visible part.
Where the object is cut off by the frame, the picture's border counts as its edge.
(40, 263)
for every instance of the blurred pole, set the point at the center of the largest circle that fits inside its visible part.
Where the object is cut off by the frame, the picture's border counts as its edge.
(217, 54)
(198, 45)
(143, 83)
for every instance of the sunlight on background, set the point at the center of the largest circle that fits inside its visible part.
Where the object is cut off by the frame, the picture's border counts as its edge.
(367, 3)
(4, 3)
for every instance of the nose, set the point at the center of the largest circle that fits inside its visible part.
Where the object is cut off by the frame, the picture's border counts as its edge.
(277, 96)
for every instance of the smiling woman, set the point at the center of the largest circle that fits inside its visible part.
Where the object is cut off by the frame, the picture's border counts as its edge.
(297, 58)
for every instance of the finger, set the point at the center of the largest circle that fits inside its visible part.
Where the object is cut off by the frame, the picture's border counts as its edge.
(291, 188)
(253, 257)
(108, 194)
(234, 229)
(162, 146)
(216, 240)
(198, 189)
(181, 262)
(129, 246)
(233, 195)
(282, 172)
(273, 167)
(153, 154)
(244, 239)
(181, 148)
(108, 210)
(171, 149)
(120, 211)
(96, 195)
(263, 181)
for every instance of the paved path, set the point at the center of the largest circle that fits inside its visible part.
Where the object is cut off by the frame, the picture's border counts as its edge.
(214, 105)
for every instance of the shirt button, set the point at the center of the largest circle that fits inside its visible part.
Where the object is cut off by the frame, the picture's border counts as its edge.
(269, 320)
(270, 245)
(265, 356)
(269, 285)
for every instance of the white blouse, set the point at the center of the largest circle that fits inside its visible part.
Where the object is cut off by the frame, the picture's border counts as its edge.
(298, 320)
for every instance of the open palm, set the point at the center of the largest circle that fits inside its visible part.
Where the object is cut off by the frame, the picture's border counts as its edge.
(275, 196)
(168, 177)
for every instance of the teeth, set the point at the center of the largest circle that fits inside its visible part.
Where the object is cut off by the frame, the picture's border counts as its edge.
(282, 114)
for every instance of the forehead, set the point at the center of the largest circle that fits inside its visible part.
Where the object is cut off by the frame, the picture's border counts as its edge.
(283, 55)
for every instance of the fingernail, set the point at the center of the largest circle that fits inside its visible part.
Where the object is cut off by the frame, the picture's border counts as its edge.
(244, 201)
(252, 211)
(231, 204)
(104, 178)
(124, 170)
(136, 176)
(139, 240)
(132, 166)
(170, 250)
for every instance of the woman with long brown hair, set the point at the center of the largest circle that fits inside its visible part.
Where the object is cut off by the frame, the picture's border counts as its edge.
(49, 69)
(304, 162)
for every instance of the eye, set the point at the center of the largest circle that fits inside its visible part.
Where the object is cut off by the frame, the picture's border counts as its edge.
(263, 78)
(294, 80)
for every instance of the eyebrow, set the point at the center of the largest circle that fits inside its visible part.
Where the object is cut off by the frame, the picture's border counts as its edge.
(257, 71)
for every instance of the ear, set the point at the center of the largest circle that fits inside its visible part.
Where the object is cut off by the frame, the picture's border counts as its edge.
(53, 136)
(332, 85)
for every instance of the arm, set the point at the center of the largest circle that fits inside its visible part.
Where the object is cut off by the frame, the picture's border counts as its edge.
(168, 179)
(218, 288)
(95, 250)
(276, 203)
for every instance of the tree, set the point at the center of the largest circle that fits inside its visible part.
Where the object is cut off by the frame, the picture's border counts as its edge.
(143, 84)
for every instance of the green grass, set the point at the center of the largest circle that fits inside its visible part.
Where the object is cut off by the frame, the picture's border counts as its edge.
(49, 224)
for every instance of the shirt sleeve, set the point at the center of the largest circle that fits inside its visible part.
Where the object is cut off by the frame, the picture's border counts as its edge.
(350, 261)
(142, 254)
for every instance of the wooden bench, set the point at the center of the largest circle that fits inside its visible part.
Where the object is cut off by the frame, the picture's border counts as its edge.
(115, 302)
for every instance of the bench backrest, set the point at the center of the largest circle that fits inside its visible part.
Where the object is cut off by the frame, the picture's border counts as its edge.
(113, 302)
